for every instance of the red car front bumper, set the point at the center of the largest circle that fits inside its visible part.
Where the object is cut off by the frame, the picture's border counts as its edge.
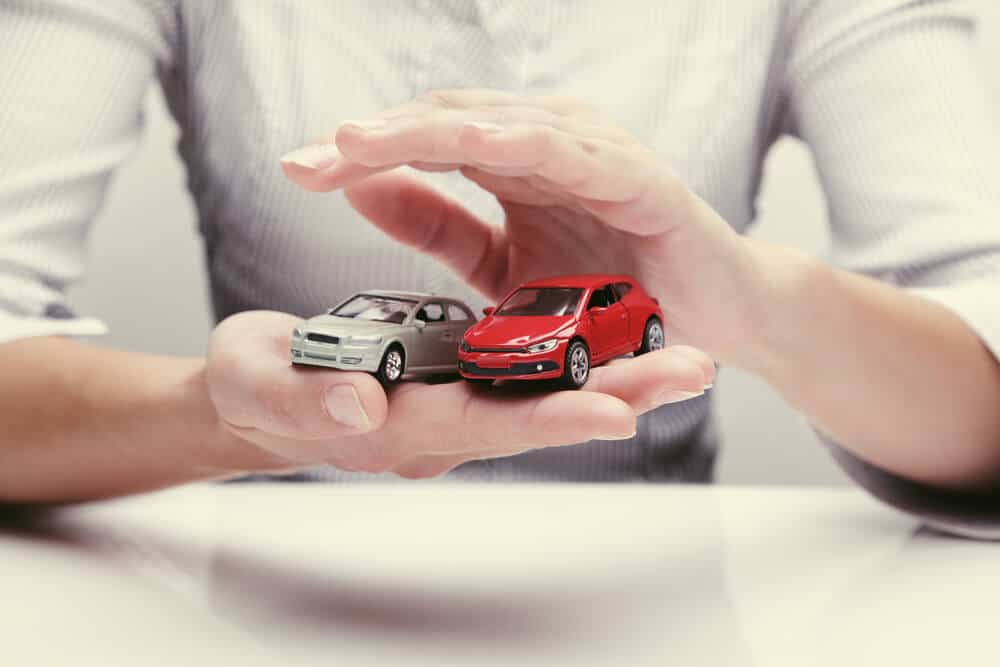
(512, 365)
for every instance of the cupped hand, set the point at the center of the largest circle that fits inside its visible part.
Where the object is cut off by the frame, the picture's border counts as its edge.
(580, 195)
(293, 417)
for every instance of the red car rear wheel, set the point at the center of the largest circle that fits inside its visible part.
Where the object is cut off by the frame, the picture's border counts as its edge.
(652, 337)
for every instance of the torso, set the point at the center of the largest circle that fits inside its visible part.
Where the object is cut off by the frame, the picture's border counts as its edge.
(256, 79)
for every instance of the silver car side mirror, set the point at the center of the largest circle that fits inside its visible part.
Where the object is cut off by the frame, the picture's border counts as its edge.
(419, 324)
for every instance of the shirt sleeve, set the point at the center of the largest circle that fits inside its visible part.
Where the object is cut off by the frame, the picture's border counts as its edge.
(73, 74)
(892, 101)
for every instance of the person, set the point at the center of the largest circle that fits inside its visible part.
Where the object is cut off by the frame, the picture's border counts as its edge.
(502, 142)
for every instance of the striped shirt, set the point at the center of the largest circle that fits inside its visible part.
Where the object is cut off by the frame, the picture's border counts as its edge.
(886, 93)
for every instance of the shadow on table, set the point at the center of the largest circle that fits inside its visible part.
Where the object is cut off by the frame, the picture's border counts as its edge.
(675, 605)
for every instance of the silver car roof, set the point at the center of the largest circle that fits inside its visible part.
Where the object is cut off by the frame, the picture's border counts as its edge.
(395, 293)
(420, 296)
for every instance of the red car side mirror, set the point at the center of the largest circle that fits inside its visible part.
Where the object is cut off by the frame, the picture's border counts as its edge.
(597, 309)
(488, 310)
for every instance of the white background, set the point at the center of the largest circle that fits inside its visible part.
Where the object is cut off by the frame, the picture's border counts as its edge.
(146, 268)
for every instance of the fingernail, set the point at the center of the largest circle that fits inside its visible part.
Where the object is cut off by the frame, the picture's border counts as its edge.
(317, 156)
(619, 436)
(483, 126)
(676, 396)
(343, 405)
(709, 386)
(366, 125)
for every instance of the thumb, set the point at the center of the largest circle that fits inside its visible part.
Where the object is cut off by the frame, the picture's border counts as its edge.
(254, 387)
(420, 217)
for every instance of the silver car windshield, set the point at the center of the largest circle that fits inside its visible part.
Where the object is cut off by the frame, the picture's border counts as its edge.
(375, 308)
(551, 301)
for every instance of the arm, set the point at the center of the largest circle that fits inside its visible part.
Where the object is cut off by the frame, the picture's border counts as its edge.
(892, 104)
(899, 364)
(902, 382)
(80, 422)
(76, 420)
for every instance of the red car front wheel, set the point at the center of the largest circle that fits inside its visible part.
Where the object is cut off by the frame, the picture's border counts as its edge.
(576, 368)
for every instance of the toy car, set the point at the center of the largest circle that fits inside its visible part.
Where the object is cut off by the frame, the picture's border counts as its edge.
(390, 334)
(558, 328)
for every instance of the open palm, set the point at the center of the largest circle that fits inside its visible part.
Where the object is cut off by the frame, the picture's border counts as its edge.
(289, 417)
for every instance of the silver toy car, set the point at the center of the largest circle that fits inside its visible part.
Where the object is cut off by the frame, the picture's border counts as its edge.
(391, 334)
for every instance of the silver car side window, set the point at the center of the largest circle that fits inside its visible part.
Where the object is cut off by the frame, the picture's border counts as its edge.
(431, 313)
(458, 314)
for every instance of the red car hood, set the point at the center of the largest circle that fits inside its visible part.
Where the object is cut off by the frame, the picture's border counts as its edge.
(515, 331)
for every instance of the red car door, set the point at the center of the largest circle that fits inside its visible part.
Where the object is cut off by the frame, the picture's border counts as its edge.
(608, 321)
(620, 321)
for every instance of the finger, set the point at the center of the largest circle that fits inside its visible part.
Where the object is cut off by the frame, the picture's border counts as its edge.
(433, 135)
(519, 189)
(522, 110)
(467, 98)
(425, 467)
(416, 215)
(322, 168)
(704, 362)
(424, 137)
(624, 185)
(654, 379)
(255, 389)
(451, 419)
(666, 376)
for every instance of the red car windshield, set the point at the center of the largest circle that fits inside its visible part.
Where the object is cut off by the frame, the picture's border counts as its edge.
(542, 301)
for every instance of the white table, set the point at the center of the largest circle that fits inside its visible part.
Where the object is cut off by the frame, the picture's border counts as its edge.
(442, 574)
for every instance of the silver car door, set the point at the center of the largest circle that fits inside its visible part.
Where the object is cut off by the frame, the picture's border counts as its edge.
(433, 337)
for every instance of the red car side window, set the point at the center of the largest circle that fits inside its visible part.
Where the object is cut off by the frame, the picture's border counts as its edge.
(601, 298)
(621, 289)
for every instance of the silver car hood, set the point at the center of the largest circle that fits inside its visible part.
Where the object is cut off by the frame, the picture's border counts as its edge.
(331, 324)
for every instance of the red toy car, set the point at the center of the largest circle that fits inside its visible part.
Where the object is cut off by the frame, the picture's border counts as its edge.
(560, 327)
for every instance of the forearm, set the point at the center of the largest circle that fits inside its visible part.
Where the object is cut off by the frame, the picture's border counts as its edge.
(81, 422)
(900, 381)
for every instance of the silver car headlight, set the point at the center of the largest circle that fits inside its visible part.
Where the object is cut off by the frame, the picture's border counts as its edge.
(544, 346)
(296, 333)
(365, 340)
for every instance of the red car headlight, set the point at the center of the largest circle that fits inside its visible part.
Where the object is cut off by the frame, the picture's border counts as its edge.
(544, 346)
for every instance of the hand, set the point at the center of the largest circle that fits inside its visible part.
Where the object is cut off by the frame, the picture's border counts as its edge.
(293, 417)
(580, 196)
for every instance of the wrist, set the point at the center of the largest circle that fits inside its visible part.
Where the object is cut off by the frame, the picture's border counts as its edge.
(218, 452)
(788, 286)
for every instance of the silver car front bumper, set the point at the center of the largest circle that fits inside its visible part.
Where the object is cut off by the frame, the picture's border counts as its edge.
(343, 357)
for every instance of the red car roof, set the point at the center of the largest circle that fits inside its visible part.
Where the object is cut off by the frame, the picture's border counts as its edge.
(582, 280)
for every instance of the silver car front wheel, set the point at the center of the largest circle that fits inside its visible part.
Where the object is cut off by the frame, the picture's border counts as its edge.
(393, 365)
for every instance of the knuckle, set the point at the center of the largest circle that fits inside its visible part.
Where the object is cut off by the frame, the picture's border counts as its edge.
(443, 99)
(590, 147)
